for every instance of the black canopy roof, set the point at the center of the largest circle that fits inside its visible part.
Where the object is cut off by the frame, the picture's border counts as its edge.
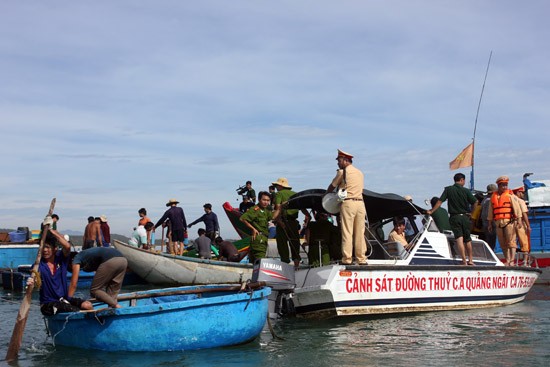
(379, 206)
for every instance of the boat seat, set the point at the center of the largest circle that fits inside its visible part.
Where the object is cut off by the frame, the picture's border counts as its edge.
(395, 250)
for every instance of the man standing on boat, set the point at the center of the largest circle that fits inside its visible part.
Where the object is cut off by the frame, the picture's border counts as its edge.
(490, 237)
(210, 220)
(286, 221)
(504, 210)
(257, 219)
(460, 200)
(248, 191)
(352, 210)
(178, 224)
(440, 216)
(523, 232)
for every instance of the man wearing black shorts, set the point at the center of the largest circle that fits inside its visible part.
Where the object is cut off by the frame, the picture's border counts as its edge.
(178, 224)
(54, 295)
(460, 201)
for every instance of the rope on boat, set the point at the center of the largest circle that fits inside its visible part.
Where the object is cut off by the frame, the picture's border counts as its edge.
(64, 325)
(246, 285)
(271, 330)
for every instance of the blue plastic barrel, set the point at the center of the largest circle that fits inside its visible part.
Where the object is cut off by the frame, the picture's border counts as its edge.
(18, 236)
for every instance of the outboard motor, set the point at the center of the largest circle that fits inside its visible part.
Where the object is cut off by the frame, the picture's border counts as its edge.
(277, 274)
(280, 277)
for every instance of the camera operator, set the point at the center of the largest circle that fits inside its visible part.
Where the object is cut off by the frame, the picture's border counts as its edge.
(247, 191)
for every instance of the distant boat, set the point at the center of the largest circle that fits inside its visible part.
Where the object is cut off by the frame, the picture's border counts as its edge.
(170, 319)
(14, 254)
(164, 269)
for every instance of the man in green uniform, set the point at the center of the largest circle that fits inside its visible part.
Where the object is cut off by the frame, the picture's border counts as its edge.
(286, 220)
(460, 200)
(320, 240)
(257, 218)
(440, 216)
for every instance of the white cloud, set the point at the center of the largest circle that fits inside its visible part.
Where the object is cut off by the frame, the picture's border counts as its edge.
(111, 107)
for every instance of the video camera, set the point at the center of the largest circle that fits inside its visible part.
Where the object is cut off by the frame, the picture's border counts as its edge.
(241, 190)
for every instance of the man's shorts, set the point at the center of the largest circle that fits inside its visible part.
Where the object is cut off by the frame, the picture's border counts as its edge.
(460, 225)
(52, 308)
(177, 235)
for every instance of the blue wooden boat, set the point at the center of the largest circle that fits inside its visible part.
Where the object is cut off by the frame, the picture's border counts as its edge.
(181, 318)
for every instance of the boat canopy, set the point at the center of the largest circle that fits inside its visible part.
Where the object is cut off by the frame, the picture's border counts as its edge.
(379, 206)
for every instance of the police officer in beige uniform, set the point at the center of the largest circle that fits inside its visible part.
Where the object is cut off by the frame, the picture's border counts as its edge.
(352, 211)
(523, 232)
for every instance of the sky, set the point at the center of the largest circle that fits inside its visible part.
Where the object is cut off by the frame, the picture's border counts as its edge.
(110, 106)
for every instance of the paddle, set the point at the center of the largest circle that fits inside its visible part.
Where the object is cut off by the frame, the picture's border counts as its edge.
(129, 296)
(162, 242)
(21, 321)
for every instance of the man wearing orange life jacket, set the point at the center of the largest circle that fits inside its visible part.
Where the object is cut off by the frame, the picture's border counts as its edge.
(504, 210)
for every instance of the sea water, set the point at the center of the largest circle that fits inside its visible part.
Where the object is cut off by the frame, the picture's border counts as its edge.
(515, 335)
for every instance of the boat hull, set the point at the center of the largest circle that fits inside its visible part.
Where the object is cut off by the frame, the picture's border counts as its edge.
(362, 290)
(166, 323)
(164, 269)
(13, 255)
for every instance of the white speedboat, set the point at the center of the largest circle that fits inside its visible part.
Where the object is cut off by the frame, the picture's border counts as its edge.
(426, 278)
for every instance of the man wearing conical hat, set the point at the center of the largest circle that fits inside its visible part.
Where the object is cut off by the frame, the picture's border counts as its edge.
(286, 221)
(504, 210)
(352, 210)
(178, 224)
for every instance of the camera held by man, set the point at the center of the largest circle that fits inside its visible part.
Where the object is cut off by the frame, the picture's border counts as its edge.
(247, 191)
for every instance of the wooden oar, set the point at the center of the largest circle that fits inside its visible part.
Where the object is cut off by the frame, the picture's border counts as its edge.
(129, 296)
(21, 321)
(162, 242)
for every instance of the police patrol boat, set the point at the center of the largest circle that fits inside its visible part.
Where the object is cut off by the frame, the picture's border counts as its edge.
(427, 277)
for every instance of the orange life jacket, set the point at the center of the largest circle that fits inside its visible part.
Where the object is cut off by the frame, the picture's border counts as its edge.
(502, 205)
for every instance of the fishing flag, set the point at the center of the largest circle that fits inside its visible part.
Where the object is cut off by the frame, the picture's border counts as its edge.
(464, 159)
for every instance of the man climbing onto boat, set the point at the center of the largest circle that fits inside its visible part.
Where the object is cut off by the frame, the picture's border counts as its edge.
(109, 266)
(460, 200)
(504, 210)
(178, 224)
(54, 293)
(352, 210)
(257, 218)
